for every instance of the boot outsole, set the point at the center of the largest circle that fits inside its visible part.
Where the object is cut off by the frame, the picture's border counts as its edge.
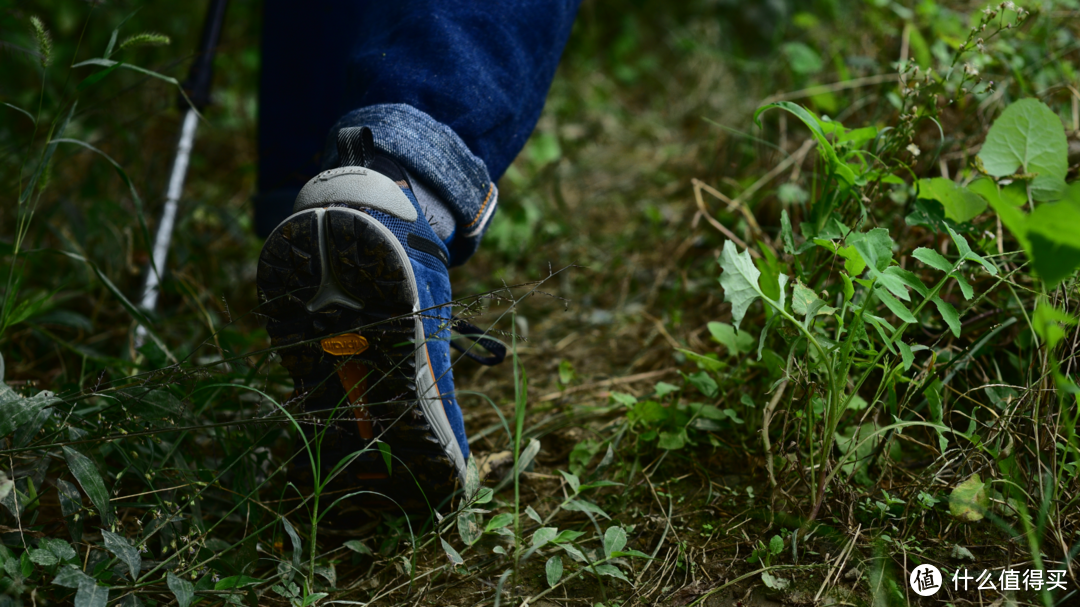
(338, 272)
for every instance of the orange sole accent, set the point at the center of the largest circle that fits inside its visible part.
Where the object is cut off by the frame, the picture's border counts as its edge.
(353, 376)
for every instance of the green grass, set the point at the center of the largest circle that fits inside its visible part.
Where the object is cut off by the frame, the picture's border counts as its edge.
(650, 456)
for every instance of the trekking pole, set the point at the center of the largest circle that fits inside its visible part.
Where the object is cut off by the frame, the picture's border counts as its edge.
(197, 87)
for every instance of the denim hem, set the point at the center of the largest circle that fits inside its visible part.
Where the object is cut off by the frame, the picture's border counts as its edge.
(435, 154)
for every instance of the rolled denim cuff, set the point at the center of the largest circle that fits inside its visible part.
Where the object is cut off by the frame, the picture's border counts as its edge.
(431, 151)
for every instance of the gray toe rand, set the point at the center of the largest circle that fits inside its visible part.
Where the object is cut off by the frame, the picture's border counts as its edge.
(358, 186)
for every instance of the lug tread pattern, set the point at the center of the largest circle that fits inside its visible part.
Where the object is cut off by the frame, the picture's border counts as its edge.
(369, 270)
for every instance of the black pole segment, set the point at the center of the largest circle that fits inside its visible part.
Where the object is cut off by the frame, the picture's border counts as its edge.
(197, 85)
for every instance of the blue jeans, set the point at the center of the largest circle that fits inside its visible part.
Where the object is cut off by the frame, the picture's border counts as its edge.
(451, 88)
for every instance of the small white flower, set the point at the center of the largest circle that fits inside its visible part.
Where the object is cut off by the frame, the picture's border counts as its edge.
(914, 149)
(1009, 5)
(970, 70)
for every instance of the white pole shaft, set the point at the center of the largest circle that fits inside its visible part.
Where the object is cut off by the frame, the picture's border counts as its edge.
(163, 237)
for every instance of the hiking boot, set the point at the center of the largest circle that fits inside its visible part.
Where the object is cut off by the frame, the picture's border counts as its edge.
(355, 286)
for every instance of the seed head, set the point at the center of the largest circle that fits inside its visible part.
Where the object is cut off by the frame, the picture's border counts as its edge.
(44, 40)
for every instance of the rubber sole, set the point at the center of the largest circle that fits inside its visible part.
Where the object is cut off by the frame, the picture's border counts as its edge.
(341, 299)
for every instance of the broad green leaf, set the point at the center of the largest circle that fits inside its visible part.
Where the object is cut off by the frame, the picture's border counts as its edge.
(182, 589)
(735, 342)
(965, 286)
(949, 315)
(1028, 138)
(544, 535)
(70, 507)
(118, 545)
(574, 553)
(89, 479)
(739, 280)
(554, 570)
(875, 247)
(897, 308)
(705, 362)
(598, 484)
(472, 479)
(804, 301)
(70, 576)
(776, 545)
(357, 546)
(1053, 239)
(567, 535)
(908, 279)
(634, 553)
(853, 262)
(1048, 322)
(932, 258)
(663, 388)
(1053, 261)
(529, 512)
(58, 547)
(906, 354)
(468, 524)
(969, 500)
(967, 253)
(236, 581)
(961, 205)
(802, 59)
(705, 384)
(610, 571)
(313, 597)
(528, 454)
(786, 233)
(1006, 207)
(849, 289)
(485, 495)
(387, 456)
(499, 521)
(452, 554)
(295, 539)
(572, 480)
(90, 594)
(782, 279)
(585, 506)
(16, 410)
(774, 582)
(672, 440)
(566, 372)
(42, 557)
(857, 403)
(614, 540)
(1013, 193)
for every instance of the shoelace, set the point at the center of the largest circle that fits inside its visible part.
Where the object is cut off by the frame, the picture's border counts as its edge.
(471, 332)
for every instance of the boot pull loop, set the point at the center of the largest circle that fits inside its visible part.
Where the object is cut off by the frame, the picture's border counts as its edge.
(356, 146)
